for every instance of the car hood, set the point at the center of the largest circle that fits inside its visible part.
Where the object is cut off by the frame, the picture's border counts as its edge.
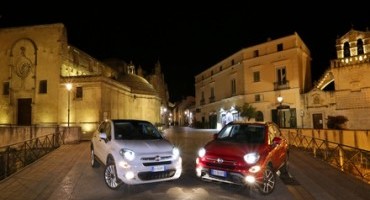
(146, 146)
(232, 149)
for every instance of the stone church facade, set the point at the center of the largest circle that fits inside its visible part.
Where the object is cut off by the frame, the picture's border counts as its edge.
(348, 75)
(37, 63)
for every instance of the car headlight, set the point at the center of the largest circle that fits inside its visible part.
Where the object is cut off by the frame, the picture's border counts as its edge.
(175, 152)
(202, 152)
(127, 154)
(251, 158)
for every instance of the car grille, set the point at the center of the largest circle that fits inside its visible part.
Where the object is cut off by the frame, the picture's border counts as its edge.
(146, 176)
(156, 160)
(156, 163)
(226, 164)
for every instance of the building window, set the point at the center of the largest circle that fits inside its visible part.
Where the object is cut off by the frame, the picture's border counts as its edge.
(43, 87)
(212, 98)
(232, 62)
(259, 116)
(212, 73)
(221, 68)
(256, 76)
(233, 87)
(280, 47)
(6, 88)
(347, 52)
(281, 76)
(360, 47)
(202, 101)
(257, 98)
(255, 53)
(79, 92)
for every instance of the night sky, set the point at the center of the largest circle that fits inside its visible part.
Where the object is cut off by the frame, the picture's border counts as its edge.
(188, 38)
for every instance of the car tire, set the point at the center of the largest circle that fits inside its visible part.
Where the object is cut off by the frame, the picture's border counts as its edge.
(110, 176)
(94, 163)
(268, 181)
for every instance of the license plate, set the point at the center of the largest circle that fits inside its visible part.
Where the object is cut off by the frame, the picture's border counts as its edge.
(216, 172)
(158, 168)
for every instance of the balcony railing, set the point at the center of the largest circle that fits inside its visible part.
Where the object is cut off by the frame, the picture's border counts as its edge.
(280, 85)
(202, 102)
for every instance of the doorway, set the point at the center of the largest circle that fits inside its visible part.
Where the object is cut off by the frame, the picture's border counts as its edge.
(24, 112)
(317, 121)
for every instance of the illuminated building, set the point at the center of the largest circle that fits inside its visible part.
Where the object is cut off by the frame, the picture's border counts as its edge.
(256, 75)
(37, 62)
(347, 78)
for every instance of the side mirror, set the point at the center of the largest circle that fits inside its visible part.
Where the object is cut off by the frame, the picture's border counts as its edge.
(103, 136)
(215, 136)
(276, 140)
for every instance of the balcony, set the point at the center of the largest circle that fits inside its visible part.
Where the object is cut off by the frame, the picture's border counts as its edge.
(212, 99)
(202, 102)
(281, 85)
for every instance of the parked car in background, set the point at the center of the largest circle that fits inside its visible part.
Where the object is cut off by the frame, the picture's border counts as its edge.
(134, 152)
(245, 153)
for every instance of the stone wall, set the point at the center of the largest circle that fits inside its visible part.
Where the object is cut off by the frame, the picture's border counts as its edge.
(17, 134)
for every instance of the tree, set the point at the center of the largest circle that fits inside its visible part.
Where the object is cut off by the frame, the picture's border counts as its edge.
(337, 122)
(248, 111)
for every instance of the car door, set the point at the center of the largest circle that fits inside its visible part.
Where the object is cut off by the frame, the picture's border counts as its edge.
(102, 145)
(279, 149)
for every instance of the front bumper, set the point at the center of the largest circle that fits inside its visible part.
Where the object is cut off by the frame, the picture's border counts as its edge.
(230, 177)
(139, 174)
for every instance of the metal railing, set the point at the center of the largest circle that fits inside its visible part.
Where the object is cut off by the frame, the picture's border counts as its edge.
(348, 159)
(16, 156)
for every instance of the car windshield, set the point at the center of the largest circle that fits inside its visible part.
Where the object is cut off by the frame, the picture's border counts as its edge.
(133, 130)
(244, 133)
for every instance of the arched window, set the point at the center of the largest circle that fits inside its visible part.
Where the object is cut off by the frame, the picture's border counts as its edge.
(347, 52)
(259, 116)
(360, 47)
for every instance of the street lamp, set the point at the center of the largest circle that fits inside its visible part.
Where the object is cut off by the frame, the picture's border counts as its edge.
(280, 100)
(302, 114)
(69, 88)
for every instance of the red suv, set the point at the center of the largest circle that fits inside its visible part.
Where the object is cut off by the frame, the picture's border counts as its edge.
(245, 153)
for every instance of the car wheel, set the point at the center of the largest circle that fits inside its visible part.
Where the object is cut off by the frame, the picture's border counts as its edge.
(93, 160)
(110, 176)
(268, 181)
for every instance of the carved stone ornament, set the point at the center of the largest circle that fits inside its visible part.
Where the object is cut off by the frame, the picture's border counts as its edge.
(23, 67)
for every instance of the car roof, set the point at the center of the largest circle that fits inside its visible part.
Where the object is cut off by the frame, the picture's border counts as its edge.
(129, 120)
(263, 123)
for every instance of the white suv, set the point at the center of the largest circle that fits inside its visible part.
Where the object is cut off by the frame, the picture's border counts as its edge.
(134, 152)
